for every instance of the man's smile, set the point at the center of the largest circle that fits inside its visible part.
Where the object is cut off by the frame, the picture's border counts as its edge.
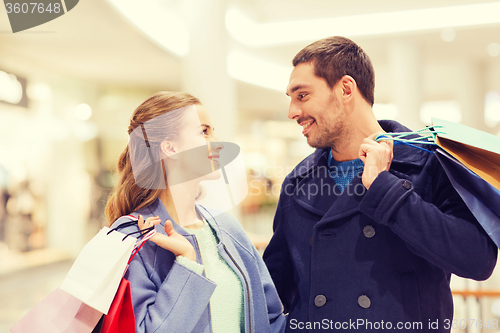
(306, 125)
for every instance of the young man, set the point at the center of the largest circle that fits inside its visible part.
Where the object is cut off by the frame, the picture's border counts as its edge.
(366, 234)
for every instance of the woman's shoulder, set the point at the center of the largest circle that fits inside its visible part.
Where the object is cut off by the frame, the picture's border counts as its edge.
(125, 224)
(222, 218)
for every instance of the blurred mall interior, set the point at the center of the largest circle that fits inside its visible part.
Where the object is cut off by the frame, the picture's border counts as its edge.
(69, 87)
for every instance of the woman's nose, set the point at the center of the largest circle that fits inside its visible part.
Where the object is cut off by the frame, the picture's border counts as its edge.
(216, 146)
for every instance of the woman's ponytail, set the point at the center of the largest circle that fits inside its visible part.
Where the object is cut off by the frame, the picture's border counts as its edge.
(127, 197)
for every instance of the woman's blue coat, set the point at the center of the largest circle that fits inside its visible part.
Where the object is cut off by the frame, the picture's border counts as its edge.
(168, 297)
(367, 256)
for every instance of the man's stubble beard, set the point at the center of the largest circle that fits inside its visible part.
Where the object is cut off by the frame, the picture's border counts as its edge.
(333, 132)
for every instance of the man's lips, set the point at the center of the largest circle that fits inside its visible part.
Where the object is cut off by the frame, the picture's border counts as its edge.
(306, 125)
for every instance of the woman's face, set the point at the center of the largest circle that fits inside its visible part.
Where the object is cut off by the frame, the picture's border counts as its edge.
(196, 150)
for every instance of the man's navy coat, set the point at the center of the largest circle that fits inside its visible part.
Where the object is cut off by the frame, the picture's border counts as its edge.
(382, 256)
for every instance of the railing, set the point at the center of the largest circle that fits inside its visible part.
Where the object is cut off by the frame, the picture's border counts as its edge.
(476, 293)
(480, 323)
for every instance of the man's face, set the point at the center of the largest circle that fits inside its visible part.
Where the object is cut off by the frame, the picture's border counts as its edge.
(314, 106)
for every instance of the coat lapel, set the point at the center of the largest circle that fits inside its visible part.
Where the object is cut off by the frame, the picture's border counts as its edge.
(312, 184)
(314, 190)
(347, 203)
(158, 209)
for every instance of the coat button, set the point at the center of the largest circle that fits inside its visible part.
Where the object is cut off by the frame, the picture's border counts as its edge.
(320, 300)
(407, 185)
(364, 301)
(369, 231)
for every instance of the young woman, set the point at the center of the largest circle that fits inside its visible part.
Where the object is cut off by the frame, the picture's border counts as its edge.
(200, 272)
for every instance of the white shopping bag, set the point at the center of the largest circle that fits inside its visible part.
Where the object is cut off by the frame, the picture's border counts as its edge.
(59, 312)
(96, 274)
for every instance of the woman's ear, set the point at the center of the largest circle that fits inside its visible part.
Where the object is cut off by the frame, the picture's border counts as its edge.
(168, 149)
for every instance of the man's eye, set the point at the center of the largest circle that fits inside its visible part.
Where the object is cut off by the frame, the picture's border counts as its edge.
(301, 96)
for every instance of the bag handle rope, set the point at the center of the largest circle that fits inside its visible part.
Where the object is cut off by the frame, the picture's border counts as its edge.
(426, 136)
(145, 234)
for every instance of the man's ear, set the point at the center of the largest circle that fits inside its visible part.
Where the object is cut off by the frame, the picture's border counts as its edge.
(168, 149)
(348, 86)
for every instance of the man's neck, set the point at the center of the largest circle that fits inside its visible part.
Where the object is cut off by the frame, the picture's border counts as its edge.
(365, 124)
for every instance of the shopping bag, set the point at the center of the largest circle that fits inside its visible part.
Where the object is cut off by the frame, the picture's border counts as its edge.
(482, 199)
(471, 160)
(478, 151)
(59, 312)
(96, 274)
(120, 318)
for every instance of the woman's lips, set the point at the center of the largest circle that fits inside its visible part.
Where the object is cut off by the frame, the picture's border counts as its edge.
(214, 158)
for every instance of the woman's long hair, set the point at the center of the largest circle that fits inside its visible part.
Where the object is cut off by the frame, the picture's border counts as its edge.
(127, 196)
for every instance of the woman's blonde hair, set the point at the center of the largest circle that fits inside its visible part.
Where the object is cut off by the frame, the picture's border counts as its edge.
(128, 196)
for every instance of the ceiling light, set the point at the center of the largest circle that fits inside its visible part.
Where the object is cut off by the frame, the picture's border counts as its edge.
(160, 25)
(247, 68)
(249, 32)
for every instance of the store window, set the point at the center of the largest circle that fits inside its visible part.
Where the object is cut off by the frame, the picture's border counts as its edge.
(492, 108)
(385, 111)
(447, 110)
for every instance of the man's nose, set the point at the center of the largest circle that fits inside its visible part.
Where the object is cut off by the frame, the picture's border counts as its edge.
(294, 111)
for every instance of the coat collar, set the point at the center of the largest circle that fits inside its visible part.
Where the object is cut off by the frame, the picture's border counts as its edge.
(310, 176)
(158, 209)
(403, 154)
(317, 192)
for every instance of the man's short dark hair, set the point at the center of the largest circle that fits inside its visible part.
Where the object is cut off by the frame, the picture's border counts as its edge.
(334, 57)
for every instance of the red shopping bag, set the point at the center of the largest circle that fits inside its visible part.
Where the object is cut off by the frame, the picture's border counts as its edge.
(120, 318)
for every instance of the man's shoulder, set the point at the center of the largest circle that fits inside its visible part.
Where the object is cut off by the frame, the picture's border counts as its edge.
(393, 126)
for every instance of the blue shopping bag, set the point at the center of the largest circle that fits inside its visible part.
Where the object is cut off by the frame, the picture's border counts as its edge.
(482, 199)
(471, 160)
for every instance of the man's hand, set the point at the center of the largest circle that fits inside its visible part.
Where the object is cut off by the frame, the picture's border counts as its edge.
(174, 242)
(377, 157)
